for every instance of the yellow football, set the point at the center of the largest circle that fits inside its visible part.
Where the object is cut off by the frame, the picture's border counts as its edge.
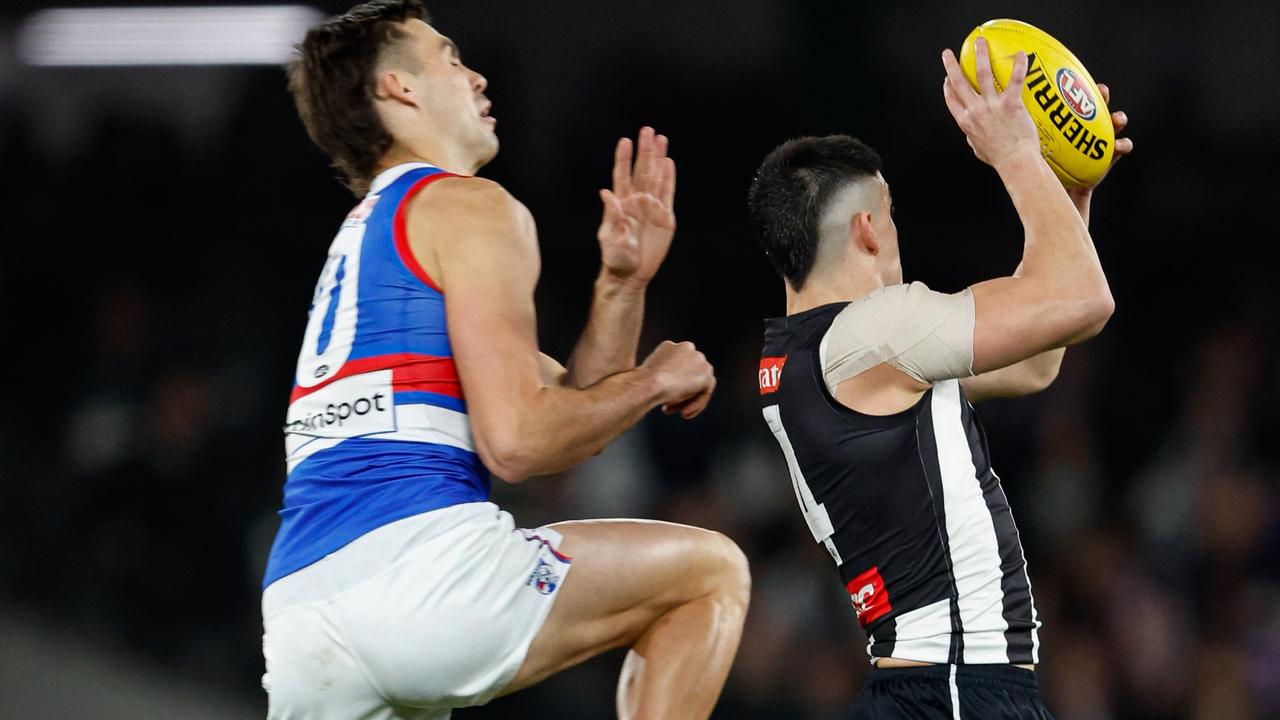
(1076, 135)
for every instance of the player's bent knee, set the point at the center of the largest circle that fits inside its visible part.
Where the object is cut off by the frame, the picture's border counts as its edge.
(733, 576)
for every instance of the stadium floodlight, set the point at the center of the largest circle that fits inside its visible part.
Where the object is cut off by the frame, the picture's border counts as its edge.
(115, 36)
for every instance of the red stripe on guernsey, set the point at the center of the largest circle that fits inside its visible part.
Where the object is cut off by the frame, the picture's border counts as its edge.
(402, 238)
(438, 376)
(410, 371)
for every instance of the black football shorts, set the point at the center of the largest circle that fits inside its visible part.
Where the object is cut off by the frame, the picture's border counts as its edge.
(950, 692)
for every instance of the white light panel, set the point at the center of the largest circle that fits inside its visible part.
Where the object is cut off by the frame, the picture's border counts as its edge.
(244, 35)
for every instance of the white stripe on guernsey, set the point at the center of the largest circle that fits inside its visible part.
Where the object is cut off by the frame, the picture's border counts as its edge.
(971, 534)
(923, 634)
(1035, 617)
(390, 175)
(815, 515)
(415, 423)
(822, 355)
(955, 695)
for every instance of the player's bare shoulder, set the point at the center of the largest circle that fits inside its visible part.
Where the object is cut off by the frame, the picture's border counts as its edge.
(470, 201)
(468, 215)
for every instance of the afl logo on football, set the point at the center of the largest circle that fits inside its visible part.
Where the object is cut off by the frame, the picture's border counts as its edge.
(1075, 93)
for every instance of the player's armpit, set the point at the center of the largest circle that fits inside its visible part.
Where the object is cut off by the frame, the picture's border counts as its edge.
(1017, 318)
(1029, 376)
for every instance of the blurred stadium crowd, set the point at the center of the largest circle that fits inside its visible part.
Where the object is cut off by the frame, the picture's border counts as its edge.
(156, 270)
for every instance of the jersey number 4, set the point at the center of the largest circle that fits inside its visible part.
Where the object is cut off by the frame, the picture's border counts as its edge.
(815, 514)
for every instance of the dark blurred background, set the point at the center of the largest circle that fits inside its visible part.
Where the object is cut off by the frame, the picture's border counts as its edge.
(165, 225)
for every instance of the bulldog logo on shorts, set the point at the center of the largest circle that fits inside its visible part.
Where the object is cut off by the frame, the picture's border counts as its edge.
(544, 578)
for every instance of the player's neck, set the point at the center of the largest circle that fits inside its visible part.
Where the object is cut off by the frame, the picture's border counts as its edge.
(819, 291)
(441, 156)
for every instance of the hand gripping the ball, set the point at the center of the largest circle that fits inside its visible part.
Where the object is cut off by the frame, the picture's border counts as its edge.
(1123, 145)
(995, 122)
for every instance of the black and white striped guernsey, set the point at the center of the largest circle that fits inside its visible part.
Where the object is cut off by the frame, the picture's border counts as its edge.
(906, 504)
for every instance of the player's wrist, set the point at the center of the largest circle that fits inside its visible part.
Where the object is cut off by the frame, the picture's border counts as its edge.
(653, 385)
(1019, 160)
(611, 285)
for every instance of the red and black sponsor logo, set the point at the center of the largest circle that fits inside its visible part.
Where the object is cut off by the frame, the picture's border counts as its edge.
(771, 373)
(868, 595)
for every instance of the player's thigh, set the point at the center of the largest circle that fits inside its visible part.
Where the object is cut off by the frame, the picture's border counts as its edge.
(626, 574)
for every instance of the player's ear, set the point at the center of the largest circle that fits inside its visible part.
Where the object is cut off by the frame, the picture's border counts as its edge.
(395, 85)
(863, 235)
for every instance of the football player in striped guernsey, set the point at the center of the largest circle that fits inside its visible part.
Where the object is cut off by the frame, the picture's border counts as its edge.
(394, 588)
(866, 385)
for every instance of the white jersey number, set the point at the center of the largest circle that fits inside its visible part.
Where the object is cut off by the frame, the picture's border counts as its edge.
(815, 515)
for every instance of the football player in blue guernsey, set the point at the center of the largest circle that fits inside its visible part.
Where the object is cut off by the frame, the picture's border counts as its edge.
(866, 385)
(395, 589)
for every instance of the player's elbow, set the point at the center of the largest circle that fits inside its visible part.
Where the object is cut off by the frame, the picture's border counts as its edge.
(1081, 314)
(506, 458)
(1042, 375)
(1095, 312)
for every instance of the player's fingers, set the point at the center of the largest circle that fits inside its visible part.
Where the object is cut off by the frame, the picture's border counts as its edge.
(686, 408)
(960, 87)
(1123, 147)
(1119, 120)
(643, 175)
(700, 402)
(1105, 92)
(657, 165)
(614, 214)
(668, 195)
(986, 78)
(1019, 74)
(622, 167)
(953, 103)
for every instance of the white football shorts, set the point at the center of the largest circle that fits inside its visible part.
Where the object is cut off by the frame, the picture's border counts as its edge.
(429, 613)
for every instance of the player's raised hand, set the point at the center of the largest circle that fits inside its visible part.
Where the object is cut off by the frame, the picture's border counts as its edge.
(639, 219)
(996, 123)
(686, 378)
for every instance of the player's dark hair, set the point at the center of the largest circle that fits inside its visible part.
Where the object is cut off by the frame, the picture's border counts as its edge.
(332, 81)
(792, 188)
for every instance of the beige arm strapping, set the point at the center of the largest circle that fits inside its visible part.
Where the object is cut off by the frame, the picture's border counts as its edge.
(925, 334)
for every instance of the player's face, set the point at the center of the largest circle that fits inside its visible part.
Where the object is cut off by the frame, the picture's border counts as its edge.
(454, 103)
(887, 235)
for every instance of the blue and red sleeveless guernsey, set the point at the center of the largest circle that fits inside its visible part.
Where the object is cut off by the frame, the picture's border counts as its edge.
(377, 429)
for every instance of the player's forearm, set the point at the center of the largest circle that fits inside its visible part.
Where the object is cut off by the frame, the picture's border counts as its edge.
(608, 342)
(558, 427)
(1058, 254)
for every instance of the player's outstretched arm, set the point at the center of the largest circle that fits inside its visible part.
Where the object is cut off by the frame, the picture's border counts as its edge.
(483, 251)
(1060, 295)
(635, 233)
